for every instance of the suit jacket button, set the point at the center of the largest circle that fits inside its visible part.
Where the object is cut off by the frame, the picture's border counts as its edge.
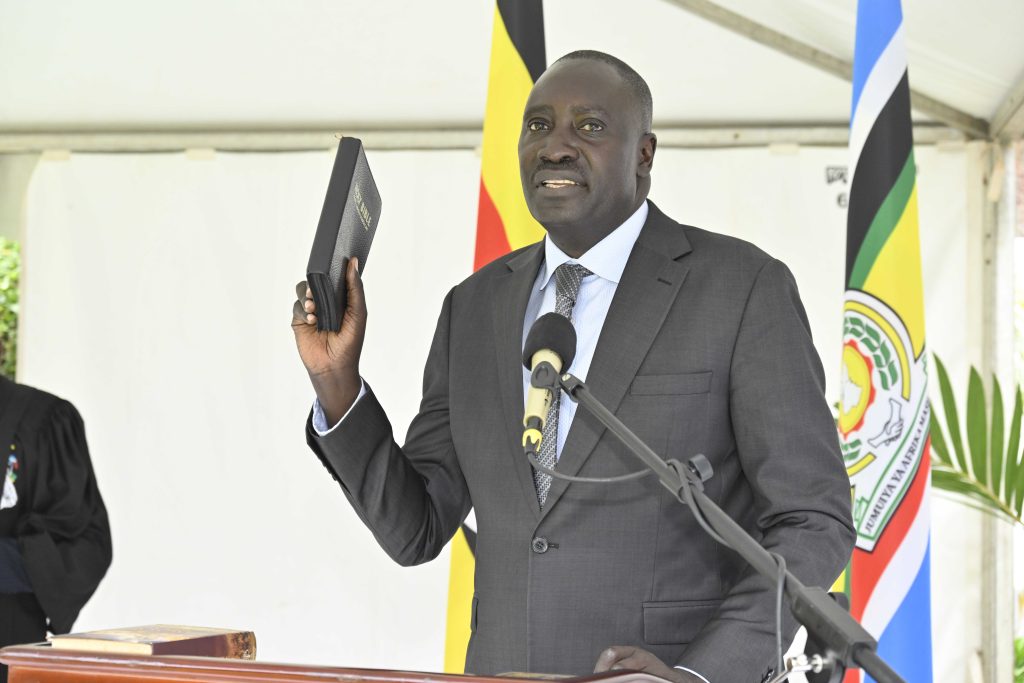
(540, 545)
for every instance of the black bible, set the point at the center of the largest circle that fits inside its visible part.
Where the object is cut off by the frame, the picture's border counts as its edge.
(347, 224)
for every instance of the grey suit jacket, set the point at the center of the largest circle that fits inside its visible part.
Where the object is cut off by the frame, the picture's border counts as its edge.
(706, 349)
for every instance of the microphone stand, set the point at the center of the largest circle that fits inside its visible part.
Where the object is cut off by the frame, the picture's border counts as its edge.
(845, 641)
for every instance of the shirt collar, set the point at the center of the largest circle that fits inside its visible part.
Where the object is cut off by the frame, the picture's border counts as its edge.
(607, 258)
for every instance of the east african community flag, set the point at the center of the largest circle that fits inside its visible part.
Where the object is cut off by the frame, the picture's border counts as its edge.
(884, 411)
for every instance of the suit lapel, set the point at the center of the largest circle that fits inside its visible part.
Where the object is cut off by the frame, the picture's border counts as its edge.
(646, 291)
(511, 294)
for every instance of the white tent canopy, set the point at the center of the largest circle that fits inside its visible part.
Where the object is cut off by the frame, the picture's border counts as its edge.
(118, 65)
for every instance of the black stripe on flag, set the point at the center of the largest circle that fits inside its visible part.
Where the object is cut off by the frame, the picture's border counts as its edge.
(524, 21)
(884, 155)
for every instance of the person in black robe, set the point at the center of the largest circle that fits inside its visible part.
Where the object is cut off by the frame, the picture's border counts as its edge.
(54, 534)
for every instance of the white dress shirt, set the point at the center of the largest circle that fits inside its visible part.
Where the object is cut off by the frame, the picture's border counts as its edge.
(606, 260)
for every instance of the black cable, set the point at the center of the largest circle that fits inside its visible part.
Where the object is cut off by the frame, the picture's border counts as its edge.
(685, 496)
(585, 480)
(807, 604)
(688, 499)
(780, 587)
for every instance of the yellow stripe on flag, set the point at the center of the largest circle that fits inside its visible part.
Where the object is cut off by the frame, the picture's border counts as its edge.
(895, 276)
(508, 87)
(502, 208)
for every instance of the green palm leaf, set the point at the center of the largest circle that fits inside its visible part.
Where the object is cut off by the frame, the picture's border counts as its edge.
(964, 485)
(984, 474)
(939, 447)
(995, 442)
(952, 418)
(1013, 453)
(977, 428)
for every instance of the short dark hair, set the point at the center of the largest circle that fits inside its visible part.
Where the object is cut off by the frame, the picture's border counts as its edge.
(634, 80)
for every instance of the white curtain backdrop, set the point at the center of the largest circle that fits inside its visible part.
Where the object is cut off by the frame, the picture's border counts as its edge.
(157, 298)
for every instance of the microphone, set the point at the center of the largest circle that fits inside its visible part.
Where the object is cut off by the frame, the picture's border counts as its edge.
(550, 347)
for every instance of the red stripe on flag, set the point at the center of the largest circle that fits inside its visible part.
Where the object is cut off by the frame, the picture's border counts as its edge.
(491, 240)
(868, 567)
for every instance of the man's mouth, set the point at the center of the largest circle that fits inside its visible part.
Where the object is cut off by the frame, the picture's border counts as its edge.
(560, 183)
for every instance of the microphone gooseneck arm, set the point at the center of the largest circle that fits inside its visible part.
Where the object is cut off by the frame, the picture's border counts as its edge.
(846, 641)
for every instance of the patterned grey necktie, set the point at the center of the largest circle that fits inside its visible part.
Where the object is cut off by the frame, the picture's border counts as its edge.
(568, 277)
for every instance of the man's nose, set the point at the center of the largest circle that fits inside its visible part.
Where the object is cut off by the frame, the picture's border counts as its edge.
(558, 147)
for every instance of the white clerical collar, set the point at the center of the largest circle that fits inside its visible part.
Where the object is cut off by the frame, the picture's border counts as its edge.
(607, 258)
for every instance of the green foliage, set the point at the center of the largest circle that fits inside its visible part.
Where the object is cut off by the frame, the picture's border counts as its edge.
(9, 269)
(1018, 328)
(1018, 660)
(989, 472)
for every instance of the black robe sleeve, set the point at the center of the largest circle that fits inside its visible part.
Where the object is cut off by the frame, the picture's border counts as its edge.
(64, 535)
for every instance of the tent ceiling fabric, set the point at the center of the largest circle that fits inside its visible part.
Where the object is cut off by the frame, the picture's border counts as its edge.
(122, 65)
(963, 53)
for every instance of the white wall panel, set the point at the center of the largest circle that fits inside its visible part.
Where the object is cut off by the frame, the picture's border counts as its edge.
(157, 298)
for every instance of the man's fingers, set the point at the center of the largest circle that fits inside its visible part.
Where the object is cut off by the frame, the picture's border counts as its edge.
(300, 316)
(356, 298)
(613, 657)
(305, 300)
(638, 659)
(628, 663)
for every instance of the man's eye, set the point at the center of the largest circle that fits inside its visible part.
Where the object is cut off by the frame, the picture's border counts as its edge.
(537, 125)
(592, 127)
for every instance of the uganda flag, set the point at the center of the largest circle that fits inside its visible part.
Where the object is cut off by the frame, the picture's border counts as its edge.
(884, 411)
(504, 223)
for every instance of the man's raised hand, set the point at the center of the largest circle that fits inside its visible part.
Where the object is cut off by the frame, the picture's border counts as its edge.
(332, 358)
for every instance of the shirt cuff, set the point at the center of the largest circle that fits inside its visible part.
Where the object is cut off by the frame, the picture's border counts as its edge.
(320, 425)
(691, 671)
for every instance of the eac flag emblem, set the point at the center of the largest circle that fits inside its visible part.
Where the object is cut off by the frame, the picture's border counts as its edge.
(883, 412)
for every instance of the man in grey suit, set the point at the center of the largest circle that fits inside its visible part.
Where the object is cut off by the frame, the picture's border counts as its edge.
(697, 341)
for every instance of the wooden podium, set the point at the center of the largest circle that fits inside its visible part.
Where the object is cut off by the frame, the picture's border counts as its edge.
(42, 664)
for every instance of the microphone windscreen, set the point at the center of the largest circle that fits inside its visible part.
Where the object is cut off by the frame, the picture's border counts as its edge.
(555, 333)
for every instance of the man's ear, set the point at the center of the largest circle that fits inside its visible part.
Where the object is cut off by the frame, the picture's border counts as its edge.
(648, 144)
